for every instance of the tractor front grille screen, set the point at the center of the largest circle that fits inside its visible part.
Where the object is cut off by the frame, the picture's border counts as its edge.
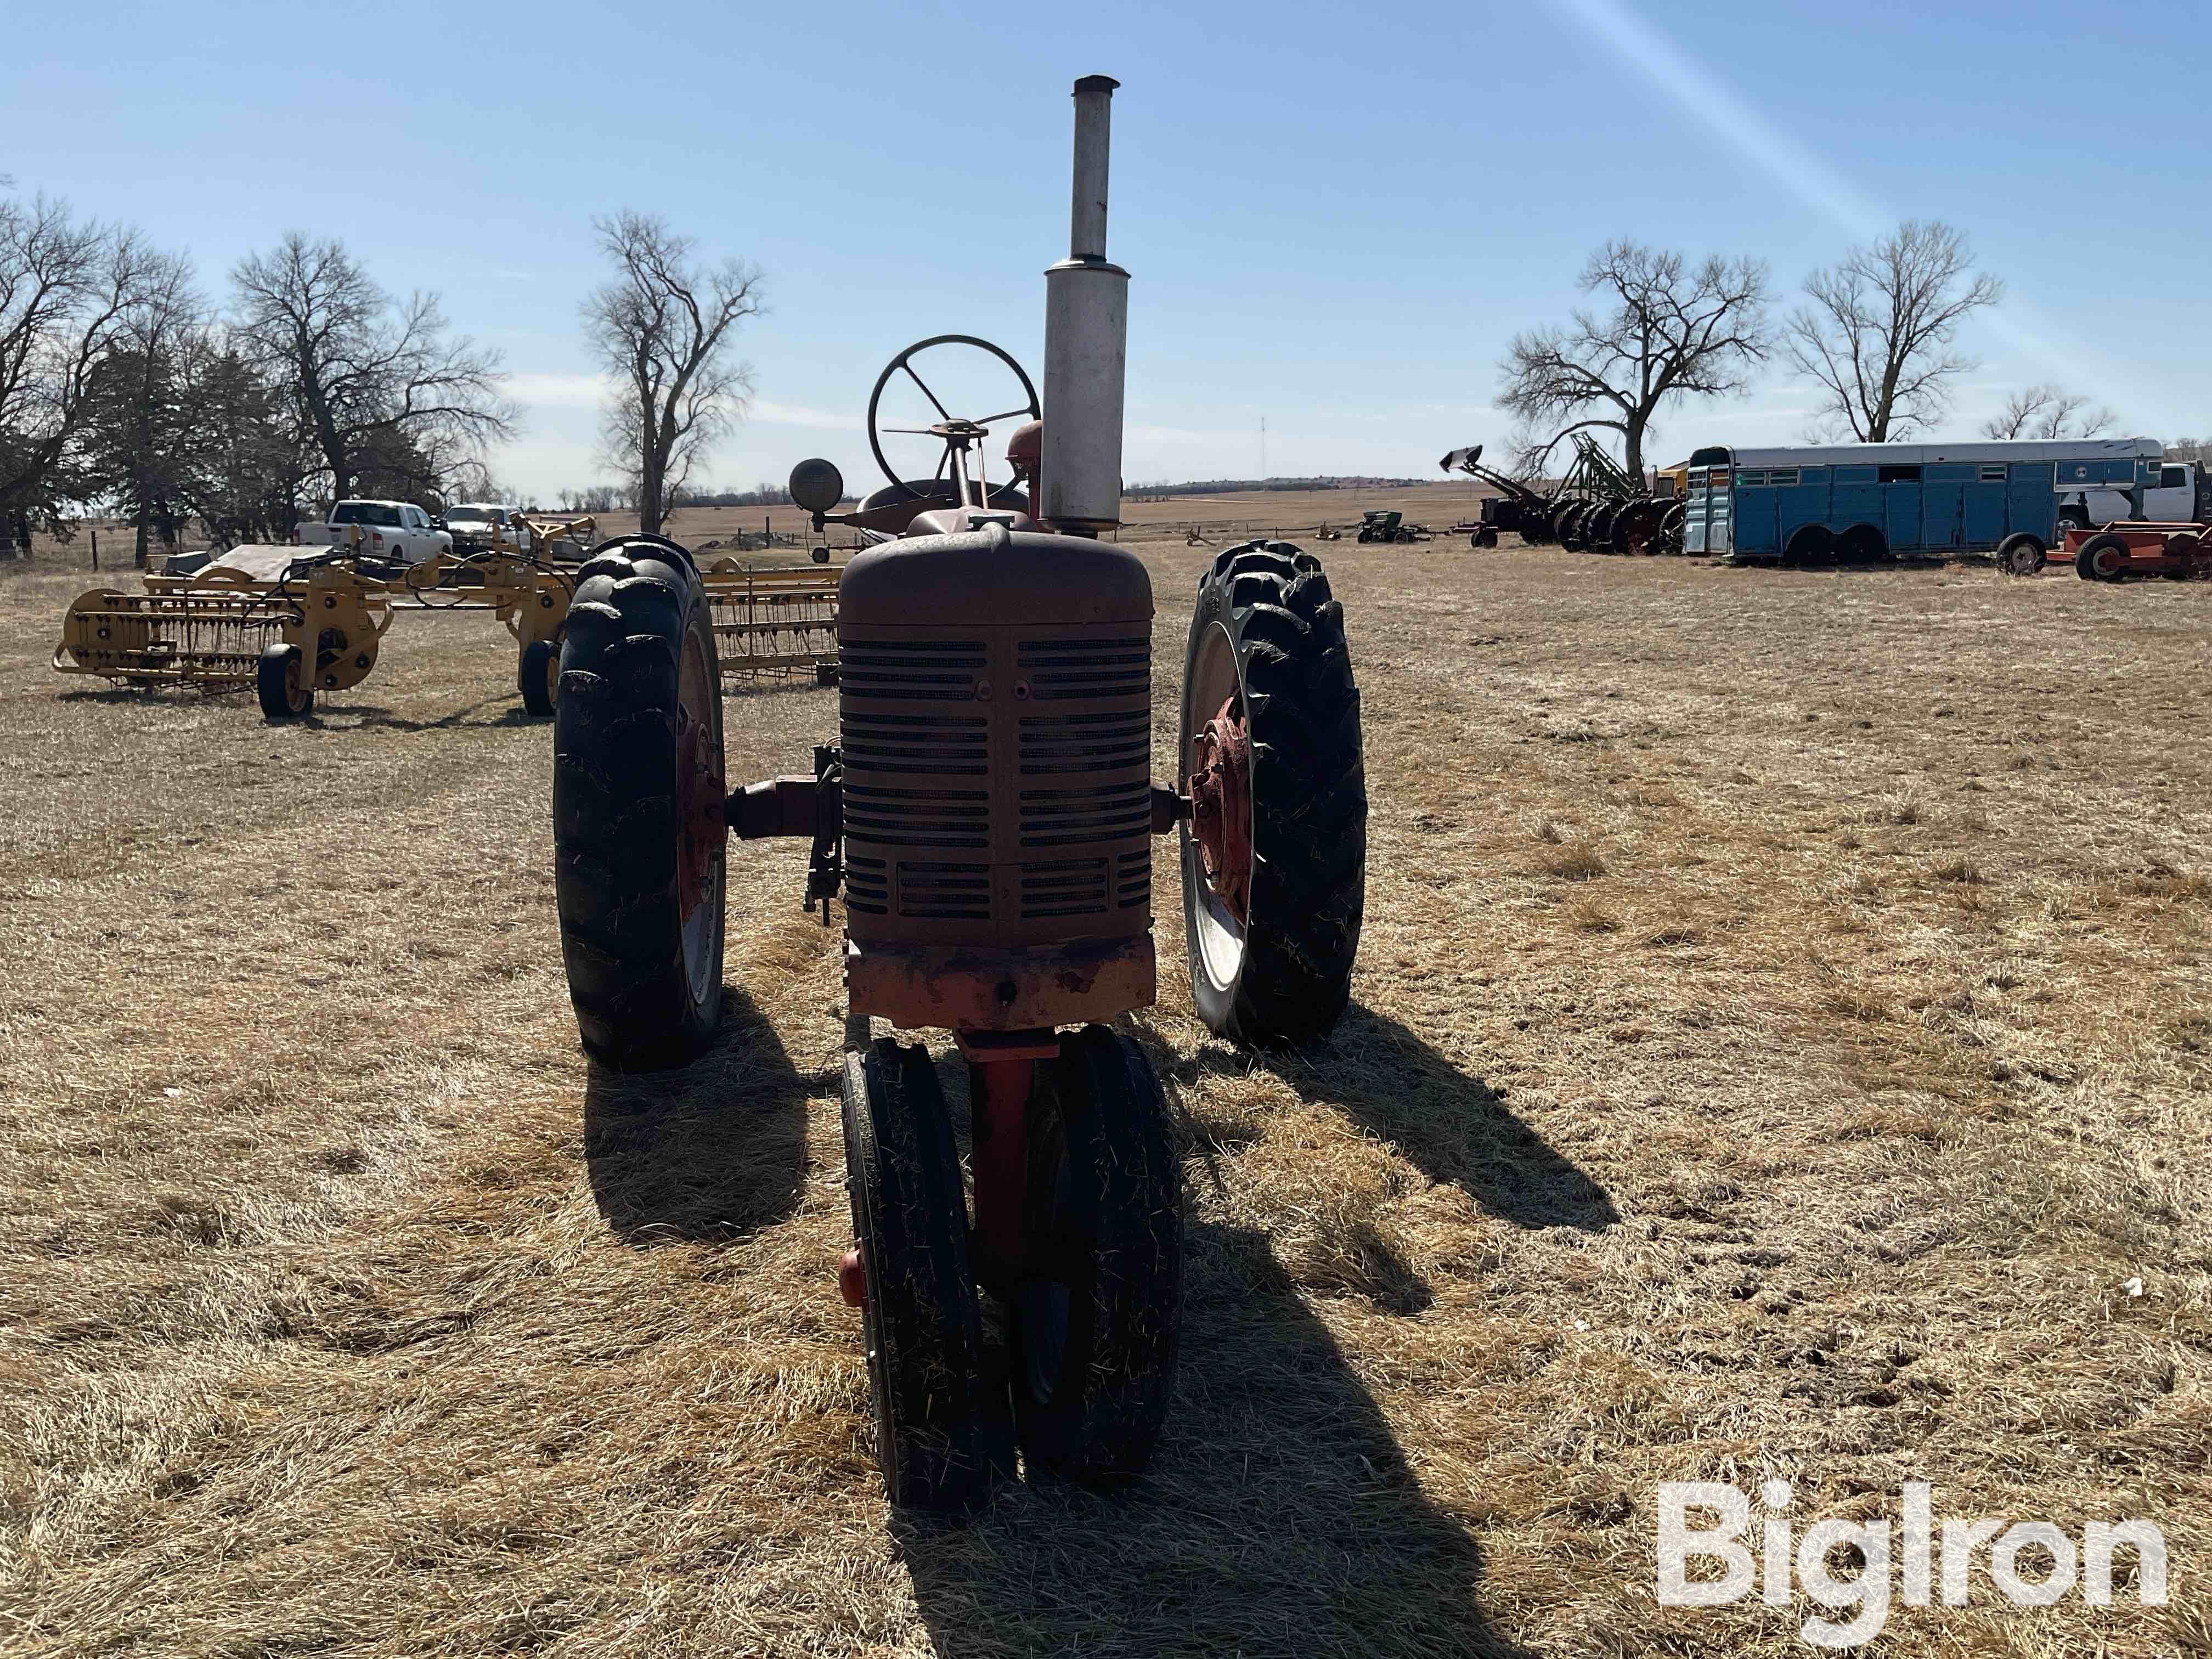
(1085, 743)
(918, 817)
(996, 784)
(925, 671)
(1065, 817)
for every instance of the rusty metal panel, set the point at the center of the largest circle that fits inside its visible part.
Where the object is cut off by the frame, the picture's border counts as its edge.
(977, 989)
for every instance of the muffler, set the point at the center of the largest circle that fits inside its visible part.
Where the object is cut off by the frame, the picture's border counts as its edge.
(1086, 330)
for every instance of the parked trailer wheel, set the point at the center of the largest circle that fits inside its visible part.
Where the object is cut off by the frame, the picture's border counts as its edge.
(1096, 1313)
(537, 677)
(1569, 525)
(1274, 857)
(2022, 555)
(1861, 545)
(638, 834)
(2102, 559)
(276, 679)
(1597, 528)
(1484, 537)
(1811, 544)
(944, 1431)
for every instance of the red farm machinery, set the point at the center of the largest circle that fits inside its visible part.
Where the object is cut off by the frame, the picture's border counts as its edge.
(2179, 552)
(987, 818)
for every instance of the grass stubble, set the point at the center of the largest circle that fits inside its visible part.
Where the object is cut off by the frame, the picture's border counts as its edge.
(1782, 1032)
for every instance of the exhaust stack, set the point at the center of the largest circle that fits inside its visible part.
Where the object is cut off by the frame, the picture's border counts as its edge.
(1086, 330)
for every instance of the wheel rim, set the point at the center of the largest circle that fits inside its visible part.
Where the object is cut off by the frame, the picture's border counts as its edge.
(700, 825)
(1217, 775)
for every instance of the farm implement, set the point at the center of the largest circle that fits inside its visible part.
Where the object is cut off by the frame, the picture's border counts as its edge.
(292, 626)
(1518, 510)
(2179, 552)
(1596, 508)
(1386, 525)
(986, 816)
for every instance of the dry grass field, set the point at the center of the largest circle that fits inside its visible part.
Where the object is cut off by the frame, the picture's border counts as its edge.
(1784, 1034)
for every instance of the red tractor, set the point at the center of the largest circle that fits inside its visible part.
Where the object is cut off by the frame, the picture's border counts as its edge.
(2179, 552)
(987, 818)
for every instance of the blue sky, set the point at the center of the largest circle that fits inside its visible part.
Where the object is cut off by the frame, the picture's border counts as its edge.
(1335, 216)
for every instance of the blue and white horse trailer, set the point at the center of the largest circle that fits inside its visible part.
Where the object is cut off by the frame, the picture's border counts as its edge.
(1869, 500)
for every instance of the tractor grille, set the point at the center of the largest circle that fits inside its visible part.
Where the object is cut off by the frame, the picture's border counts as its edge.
(1064, 887)
(928, 671)
(997, 786)
(945, 892)
(1058, 670)
(918, 817)
(1062, 817)
(867, 886)
(1085, 743)
(954, 745)
(1132, 878)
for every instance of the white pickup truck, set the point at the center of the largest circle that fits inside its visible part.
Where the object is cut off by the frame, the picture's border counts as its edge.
(390, 530)
(2183, 494)
(476, 525)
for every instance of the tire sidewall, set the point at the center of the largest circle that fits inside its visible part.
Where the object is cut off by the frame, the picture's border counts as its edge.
(1215, 1002)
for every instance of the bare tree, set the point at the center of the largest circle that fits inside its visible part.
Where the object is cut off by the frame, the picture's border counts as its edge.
(377, 385)
(1875, 334)
(68, 289)
(663, 329)
(136, 448)
(2049, 411)
(1665, 333)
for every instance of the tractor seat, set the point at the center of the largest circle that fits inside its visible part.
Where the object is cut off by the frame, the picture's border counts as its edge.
(887, 511)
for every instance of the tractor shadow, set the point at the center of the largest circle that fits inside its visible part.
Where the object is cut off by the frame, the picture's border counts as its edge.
(1279, 1515)
(1453, 1126)
(710, 1152)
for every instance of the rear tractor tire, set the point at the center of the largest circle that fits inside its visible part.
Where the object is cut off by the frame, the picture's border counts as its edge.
(1275, 858)
(277, 682)
(1096, 1310)
(943, 1424)
(638, 835)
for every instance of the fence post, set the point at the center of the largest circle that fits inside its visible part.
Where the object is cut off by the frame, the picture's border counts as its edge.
(96, 549)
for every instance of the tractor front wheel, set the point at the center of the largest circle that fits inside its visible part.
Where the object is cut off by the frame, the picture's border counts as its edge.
(944, 1434)
(1101, 1247)
(1274, 857)
(638, 831)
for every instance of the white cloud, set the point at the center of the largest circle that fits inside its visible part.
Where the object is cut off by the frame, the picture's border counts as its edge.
(558, 391)
(766, 412)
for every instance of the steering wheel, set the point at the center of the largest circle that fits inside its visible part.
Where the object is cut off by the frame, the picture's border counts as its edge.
(956, 432)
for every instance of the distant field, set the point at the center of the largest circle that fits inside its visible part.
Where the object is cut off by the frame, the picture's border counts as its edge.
(1783, 1036)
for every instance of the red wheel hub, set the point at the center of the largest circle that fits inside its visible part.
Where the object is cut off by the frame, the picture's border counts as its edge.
(699, 821)
(1221, 807)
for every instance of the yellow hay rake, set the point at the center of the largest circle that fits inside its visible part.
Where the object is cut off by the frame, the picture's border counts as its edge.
(773, 622)
(314, 623)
